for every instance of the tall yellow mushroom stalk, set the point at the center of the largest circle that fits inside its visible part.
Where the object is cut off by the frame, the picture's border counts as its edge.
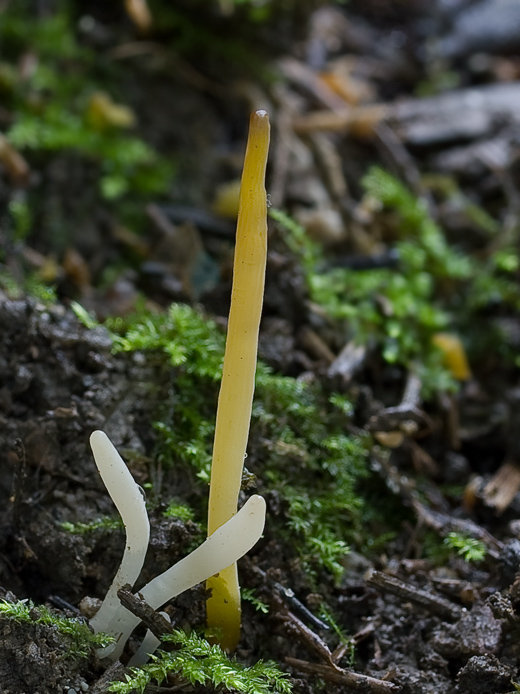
(238, 377)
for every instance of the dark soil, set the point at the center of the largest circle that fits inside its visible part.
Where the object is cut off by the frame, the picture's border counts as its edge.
(420, 625)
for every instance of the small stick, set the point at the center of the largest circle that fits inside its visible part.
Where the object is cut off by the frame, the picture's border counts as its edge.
(358, 120)
(444, 524)
(279, 594)
(153, 620)
(401, 159)
(354, 680)
(431, 602)
(330, 164)
(283, 144)
(392, 418)
(306, 635)
(348, 361)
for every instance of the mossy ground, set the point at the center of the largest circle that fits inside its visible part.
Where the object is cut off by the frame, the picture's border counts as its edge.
(113, 313)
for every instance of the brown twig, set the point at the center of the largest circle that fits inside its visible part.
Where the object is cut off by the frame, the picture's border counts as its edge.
(407, 415)
(401, 159)
(431, 602)
(308, 637)
(153, 620)
(444, 524)
(349, 360)
(284, 134)
(354, 680)
(281, 597)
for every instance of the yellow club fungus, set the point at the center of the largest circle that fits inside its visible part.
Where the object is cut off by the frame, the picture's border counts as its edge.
(103, 113)
(454, 355)
(238, 377)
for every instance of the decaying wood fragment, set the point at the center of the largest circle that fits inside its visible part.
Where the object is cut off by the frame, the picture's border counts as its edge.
(315, 345)
(330, 163)
(355, 681)
(443, 523)
(281, 151)
(487, 26)
(401, 160)
(114, 673)
(501, 489)
(153, 620)
(307, 636)
(357, 120)
(406, 416)
(424, 598)
(309, 81)
(349, 360)
(461, 114)
(329, 670)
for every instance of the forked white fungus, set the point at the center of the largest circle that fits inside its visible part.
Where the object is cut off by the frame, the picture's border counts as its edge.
(222, 549)
(227, 544)
(148, 646)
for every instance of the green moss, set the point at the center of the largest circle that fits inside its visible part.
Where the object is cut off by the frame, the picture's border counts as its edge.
(21, 218)
(469, 548)
(127, 165)
(49, 118)
(183, 335)
(105, 523)
(197, 662)
(313, 465)
(249, 595)
(30, 285)
(298, 442)
(179, 510)
(436, 287)
(80, 640)
(194, 348)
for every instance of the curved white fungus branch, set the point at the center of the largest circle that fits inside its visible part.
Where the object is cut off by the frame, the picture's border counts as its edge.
(148, 646)
(223, 548)
(128, 498)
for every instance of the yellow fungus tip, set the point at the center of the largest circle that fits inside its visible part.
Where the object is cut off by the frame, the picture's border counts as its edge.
(454, 355)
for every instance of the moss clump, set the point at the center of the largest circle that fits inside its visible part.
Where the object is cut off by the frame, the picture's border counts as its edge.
(436, 286)
(50, 116)
(178, 510)
(80, 639)
(298, 446)
(469, 548)
(105, 523)
(306, 456)
(197, 662)
(193, 346)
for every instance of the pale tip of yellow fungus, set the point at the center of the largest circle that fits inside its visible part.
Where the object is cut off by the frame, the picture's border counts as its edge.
(259, 120)
(454, 355)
